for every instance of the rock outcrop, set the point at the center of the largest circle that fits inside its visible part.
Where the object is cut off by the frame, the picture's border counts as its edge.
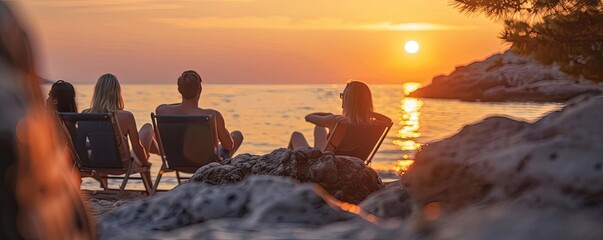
(555, 161)
(393, 202)
(504, 221)
(258, 200)
(516, 221)
(346, 178)
(508, 77)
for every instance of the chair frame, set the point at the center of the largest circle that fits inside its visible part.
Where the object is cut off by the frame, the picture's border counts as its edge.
(382, 119)
(127, 168)
(165, 166)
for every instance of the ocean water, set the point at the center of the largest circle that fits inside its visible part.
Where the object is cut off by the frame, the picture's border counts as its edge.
(268, 114)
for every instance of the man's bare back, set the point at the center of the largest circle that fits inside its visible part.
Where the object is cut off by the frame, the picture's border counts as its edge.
(177, 108)
(190, 109)
(189, 86)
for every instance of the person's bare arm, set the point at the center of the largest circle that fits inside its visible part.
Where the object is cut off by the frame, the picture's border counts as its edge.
(223, 133)
(320, 114)
(132, 132)
(326, 120)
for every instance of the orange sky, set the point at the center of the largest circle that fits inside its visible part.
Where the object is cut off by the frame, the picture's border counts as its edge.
(255, 41)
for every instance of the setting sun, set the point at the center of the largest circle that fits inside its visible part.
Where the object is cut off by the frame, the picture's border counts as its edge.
(411, 46)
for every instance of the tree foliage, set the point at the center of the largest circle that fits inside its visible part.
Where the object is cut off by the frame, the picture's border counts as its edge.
(568, 32)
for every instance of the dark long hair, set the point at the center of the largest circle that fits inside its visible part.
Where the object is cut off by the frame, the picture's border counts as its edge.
(65, 95)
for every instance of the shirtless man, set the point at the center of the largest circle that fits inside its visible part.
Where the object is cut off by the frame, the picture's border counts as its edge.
(189, 86)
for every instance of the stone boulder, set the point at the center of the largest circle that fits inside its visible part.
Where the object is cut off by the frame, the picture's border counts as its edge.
(392, 202)
(555, 161)
(516, 221)
(508, 77)
(497, 221)
(259, 200)
(346, 178)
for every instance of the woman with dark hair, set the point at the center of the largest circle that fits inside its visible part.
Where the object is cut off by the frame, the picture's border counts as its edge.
(61, 97)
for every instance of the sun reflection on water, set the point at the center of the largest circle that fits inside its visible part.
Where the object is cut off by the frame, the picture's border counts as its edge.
(409, 131)
(410, 87)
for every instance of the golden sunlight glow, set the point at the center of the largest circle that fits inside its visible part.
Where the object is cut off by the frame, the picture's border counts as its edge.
(403, 165)
(414, 26)
(409, 132)
(411, 46)
(407, 145)
(323, 38)
(358, 211)
(350, 207)
(285, 22)
(410, 87)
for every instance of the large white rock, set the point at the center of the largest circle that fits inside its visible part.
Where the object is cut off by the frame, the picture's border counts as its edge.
(513, 221)
(492, 222)
(259, 200)
(391, 202)
(556, 161)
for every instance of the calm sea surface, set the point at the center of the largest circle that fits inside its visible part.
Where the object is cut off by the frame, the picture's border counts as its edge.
(267, 114)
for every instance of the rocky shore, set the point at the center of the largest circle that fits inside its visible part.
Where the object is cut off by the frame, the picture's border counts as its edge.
(346, 178)
(555, 161)
(496, 179)
(508, 77)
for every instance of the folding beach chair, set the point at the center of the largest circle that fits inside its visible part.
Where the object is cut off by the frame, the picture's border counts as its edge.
(359, 140)
(97, 140)
(64, 135)
(186, 143)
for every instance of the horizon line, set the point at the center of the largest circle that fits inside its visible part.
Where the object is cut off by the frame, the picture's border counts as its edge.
(50, 83)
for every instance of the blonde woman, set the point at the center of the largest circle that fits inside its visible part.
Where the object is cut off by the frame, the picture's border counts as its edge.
(357, 104)
(107, 98)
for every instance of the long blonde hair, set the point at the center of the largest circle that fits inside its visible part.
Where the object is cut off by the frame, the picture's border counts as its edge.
(107, 95)
(357, 102)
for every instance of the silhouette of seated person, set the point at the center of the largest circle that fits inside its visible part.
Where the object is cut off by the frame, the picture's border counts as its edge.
(189, 86)
(357, 108)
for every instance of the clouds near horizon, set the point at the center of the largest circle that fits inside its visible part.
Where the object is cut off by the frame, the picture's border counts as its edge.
(256, 41)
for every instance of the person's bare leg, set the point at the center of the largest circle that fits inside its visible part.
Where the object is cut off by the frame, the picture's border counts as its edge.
(297, 140)
(154, 146)
(145, 134)
(237, 138)
(320, 137)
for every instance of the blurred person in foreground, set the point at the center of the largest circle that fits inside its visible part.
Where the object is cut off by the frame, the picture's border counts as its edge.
(38, 197)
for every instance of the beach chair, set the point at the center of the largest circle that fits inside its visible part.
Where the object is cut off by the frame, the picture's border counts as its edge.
(359, 140)
(97, 139)
(186, 143)
(65, 136)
